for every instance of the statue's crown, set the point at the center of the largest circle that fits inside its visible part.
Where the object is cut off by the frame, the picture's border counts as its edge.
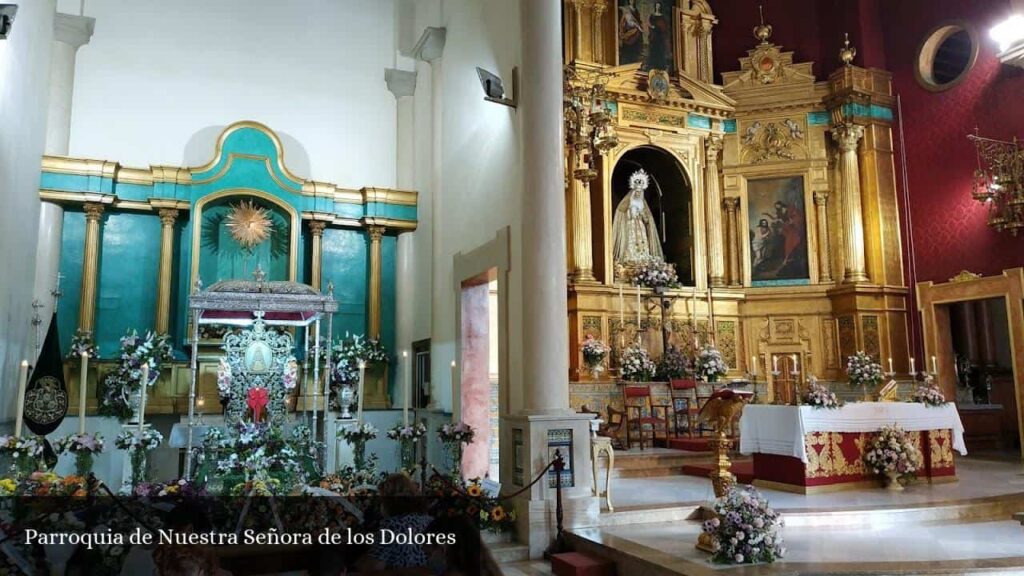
(639, 179)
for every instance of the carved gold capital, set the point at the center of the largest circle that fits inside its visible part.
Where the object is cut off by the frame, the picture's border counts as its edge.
(821, 198)
(168, 216)
(376, 233)
(93, 212)
(712, 148)
(316, 227)
(847, 136)
(731, 203)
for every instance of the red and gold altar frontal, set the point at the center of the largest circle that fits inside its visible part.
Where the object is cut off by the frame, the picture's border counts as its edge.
(774, 191)
(836, 462)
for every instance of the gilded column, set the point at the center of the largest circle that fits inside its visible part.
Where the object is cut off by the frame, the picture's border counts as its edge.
(163, 288)
(373, 321)
(824, 258)
(577, 39)
(90, 267)
(731, 205)
(316, 230)
(582, 243)
(716, 264)
(597, 38)
(847, 136)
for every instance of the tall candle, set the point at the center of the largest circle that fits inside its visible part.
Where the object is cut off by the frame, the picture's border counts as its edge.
(638, 309)
(362, 380)
(622, 307)
(913, 369)
(775, 364)
(19, 417)
(142, 396)
(796, 363)
(753, 365)
(83, 387)
(405, 389)
(453, 384)
(935, 366)
(891, 371)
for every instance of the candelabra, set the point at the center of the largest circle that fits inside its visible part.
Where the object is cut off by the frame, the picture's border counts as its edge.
(999, 182)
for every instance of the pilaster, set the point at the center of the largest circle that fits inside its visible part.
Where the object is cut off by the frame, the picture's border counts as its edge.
(847, 136)
(824, 254)
(731, 206)
(375, 233)
(90, 266)
(316, 232)
(716, 263)
(163, 290)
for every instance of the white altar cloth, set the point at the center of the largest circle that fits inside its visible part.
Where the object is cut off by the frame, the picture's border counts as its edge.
(780, 430)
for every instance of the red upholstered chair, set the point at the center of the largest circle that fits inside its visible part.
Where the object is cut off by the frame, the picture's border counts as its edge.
(684, 403)
(642, 415)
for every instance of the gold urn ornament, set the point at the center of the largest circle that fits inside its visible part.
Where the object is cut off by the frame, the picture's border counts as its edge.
(847, 53)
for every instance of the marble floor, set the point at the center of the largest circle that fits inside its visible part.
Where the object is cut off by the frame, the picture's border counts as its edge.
(978, 479)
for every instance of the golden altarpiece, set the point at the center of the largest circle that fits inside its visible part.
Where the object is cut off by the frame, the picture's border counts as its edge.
(773, 194)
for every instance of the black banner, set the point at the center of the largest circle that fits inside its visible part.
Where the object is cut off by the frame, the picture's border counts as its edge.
(46, 397)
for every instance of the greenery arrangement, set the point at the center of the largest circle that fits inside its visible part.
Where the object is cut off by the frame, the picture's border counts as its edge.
(121, 387)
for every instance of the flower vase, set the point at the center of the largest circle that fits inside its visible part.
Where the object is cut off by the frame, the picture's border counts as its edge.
(407, 446)
(595, 371)
(83, 463)
(24, 465)
(359, 454)
(454, 450)
(140, 466)
(893, 480)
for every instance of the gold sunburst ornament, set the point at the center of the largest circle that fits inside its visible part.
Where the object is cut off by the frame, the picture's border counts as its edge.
(249, 224)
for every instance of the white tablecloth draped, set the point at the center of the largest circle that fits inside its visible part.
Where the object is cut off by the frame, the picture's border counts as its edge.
(781, 429)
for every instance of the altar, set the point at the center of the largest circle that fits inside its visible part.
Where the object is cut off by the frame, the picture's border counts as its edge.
(805, 449)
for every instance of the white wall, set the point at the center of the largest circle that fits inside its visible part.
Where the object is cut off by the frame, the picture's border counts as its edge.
(158, 72)
(480, 168)
(24, 90)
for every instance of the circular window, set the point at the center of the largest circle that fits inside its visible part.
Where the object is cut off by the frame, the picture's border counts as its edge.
(945, 56)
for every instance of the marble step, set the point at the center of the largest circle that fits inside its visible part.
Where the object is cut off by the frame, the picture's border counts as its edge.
(508, 552)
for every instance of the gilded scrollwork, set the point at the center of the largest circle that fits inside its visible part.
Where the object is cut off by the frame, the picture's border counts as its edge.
(771, 140)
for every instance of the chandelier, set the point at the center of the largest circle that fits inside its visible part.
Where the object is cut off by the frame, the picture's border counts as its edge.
(999, 182)
(588, 119)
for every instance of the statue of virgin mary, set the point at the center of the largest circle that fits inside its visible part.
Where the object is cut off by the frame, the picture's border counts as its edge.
(635, 236)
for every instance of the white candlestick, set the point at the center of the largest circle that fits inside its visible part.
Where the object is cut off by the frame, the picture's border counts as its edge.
(913, 369)
(638, 309)
(796, 363)
(775, 364)
(935, 366)
(622, 307)
(891, 371)
(83, 387)
(753, 365)
(362, 379)
(142, 396)
(405, 390)
(19, 417)
(453, 383)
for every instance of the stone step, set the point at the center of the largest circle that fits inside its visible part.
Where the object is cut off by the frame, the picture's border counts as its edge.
(509, 552)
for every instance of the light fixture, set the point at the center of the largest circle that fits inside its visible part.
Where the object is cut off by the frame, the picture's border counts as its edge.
(589, 128)
(494, 89)
(1009, 35)
(999, 182)
(7, 13)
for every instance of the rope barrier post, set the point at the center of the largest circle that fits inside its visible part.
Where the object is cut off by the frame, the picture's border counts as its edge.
(558, 544)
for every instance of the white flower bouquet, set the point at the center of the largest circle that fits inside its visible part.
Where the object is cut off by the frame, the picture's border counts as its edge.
(928, 393)
(361, 433)
(746, 530)
(819, 396)
(411, 432)
(655, 273)
(594, 351)
(636, 365)
(460, 433)
(863, 370)
(75, 443)
(709, 365)
(149, 439)
(81, 343)
(893, 453)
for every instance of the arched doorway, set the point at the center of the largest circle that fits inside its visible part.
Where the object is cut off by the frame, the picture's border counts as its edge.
(670, 198)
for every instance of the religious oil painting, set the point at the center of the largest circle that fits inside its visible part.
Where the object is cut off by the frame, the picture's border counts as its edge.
(778, 231)
(645, 33)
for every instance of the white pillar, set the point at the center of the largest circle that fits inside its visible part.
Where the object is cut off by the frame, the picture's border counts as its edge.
(69, 34)
(402, 84)
(545, 359)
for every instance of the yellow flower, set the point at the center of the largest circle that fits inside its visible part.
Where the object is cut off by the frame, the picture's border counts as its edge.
(498, 514)
(474, 490)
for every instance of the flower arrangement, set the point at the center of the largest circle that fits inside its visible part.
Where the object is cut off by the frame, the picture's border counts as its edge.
(891, 453)
(594, 353)
(408, 436)
(81, 343)
(121, 385)
(673, 364)
(256, 450)
(455, 497)
(23, 451)
(745, 530)
(709, 365)
(863, 370)
(180, 488)
(819, 396)
(149, 439)
(358, 436)
(224, 377)
(290, 378)
(346, 355)
(655, 273)
(636, 365)
(84, 447)
(453, 437)
(928, 393)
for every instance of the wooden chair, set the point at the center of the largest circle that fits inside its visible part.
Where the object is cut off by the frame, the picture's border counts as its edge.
(643, 415)
(684, 404)
(613, 427)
